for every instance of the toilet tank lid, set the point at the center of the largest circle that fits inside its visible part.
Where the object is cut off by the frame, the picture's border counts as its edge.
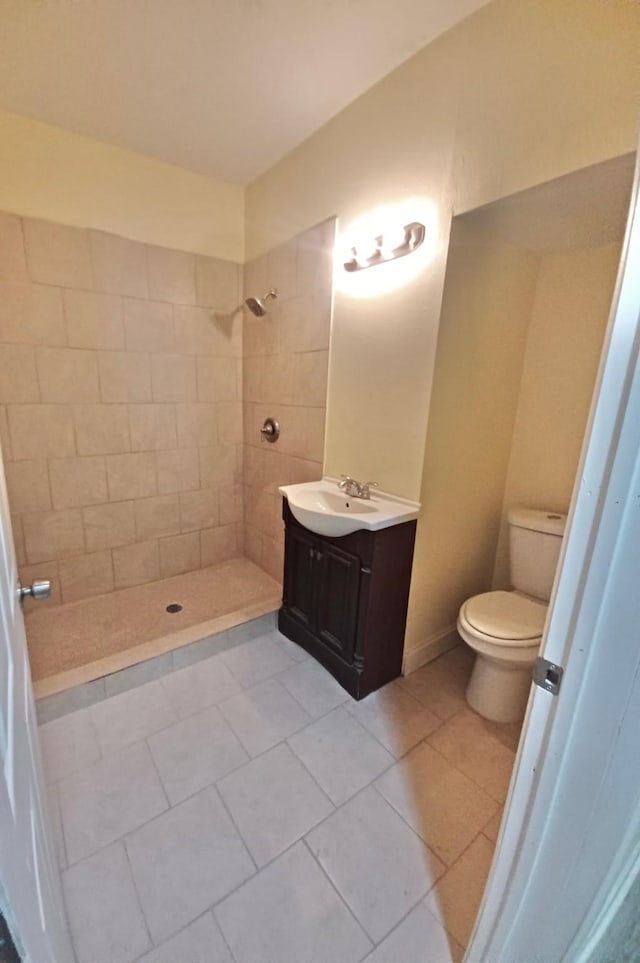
(551, 523)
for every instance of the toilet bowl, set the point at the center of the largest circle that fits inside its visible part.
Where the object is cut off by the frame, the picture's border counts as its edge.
(505, 628)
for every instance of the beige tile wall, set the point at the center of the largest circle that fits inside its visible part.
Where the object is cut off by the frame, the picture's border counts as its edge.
(120, 406)
(285, 377)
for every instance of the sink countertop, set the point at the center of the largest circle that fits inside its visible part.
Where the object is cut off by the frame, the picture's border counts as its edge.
(325, 509)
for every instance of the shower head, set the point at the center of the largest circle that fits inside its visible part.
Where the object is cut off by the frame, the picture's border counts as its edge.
(257, 305)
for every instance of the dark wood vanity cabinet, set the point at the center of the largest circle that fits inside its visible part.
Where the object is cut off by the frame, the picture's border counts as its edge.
(345, 600)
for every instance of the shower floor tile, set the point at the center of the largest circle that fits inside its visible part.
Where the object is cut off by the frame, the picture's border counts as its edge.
(77, 634)
(247, 859)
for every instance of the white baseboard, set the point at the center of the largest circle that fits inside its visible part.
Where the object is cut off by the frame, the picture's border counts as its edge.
(430, 649)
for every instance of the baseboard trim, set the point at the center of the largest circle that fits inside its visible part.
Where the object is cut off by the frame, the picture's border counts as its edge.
(430, 649)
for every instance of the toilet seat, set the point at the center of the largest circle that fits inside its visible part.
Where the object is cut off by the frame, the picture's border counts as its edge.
(506, 618)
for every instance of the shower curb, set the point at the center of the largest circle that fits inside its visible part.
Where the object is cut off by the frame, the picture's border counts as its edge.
(76, 697)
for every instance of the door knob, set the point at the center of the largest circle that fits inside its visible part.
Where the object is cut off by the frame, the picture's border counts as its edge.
(39, 589)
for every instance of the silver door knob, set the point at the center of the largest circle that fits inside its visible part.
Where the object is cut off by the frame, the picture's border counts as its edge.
(40, 589)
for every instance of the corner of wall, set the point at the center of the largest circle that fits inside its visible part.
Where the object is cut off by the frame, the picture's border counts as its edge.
(92, 184)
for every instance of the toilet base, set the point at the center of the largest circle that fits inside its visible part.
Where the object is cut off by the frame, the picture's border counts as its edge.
(499, 691)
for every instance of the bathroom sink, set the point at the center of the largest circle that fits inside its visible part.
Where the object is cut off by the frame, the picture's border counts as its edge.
(324, 509)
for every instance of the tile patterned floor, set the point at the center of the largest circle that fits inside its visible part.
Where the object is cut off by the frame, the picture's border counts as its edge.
(247, 810)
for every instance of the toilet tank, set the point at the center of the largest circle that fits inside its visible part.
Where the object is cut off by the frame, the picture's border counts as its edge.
(534, 546)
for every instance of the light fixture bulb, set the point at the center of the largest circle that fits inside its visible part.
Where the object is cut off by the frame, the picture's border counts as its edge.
(394, 239)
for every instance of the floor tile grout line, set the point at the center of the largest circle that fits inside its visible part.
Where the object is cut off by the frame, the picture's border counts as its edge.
(171, 805)
(297, 665)
(310, 774)
(408, 824)
(270, 676)
(121, 838)
(214, 785)
(68, 862)
(446, 873)
(351, 711)
(419, 902)
(501, 811)
(156, 946)
(364, 729)
(244, 689)
(215, 704)
(214, 906)
(447, 932)
(466, 775)
(353, 794)
(211, 911)
(210, 785)
(499, 802)
(303, 839)
(58, 805)
(370, 783)
(211, 906)
(335, 807)
(161, 680)
(105, 756)
(430, 848)
(136, 891)
(178, 720)
(134, 829)
(461, 854)
(158, 774)
(311, 828)
(339, 894)
(235, 825)
(237, 734)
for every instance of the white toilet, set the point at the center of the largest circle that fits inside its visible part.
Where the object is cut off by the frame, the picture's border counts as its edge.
(505, 628)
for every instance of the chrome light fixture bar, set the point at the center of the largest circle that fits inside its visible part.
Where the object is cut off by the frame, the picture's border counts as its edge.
(387, 248)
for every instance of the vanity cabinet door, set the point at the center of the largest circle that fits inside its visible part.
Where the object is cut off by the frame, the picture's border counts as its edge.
(337, 599)
(300, 575)
(345, 600)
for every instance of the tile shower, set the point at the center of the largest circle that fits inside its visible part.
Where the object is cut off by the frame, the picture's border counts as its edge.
(132, 391)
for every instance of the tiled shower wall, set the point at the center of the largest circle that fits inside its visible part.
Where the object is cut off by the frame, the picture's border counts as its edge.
(285, 377)
(120, 406)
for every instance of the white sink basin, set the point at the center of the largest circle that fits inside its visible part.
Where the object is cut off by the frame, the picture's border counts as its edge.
(324, 509)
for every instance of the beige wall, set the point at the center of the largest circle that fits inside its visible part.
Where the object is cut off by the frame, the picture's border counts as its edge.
(518, 350)
(564, 341)
(50, 173)
(120, 371)
(519, 93)
(486, 307)
(285, 377)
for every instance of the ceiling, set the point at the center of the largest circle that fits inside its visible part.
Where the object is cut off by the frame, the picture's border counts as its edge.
(583, 209)
(222, 87)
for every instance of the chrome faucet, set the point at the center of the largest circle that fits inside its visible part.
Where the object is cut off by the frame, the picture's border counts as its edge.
(354, 489)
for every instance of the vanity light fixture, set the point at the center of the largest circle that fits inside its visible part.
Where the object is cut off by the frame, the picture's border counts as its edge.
(386, 247)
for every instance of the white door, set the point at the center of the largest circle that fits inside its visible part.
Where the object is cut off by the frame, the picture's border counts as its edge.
(569, 850)
(30, 896)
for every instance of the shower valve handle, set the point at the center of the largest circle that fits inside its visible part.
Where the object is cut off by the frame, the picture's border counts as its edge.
(270, 430)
